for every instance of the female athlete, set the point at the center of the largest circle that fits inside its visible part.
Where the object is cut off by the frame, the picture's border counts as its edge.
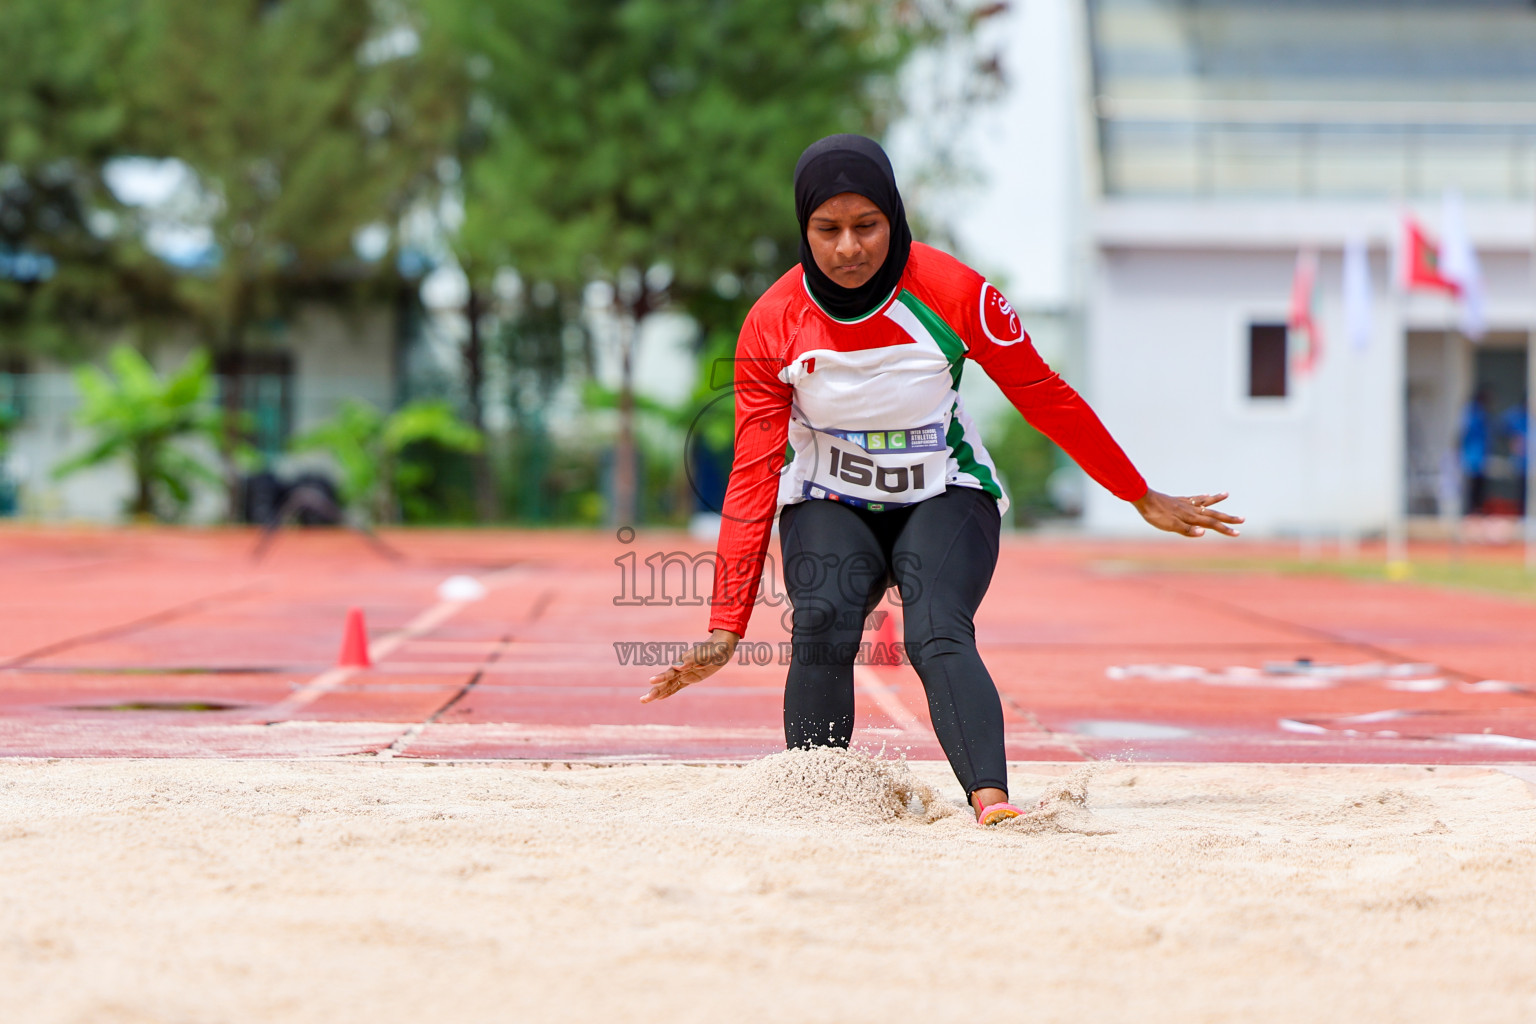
(854, 358)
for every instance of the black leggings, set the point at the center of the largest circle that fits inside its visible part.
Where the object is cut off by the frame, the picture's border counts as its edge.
(838, 562)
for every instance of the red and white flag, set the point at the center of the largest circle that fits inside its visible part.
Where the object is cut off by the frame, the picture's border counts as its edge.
(1305, 338)
(1452, 268)
(1418, 261)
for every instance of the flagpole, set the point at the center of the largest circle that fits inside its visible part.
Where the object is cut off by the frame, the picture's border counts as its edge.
(1397, 526)
(1530, 416)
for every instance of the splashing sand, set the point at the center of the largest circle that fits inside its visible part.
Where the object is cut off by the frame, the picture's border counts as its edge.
(825, 785)
(1062, 807)
(828, 785)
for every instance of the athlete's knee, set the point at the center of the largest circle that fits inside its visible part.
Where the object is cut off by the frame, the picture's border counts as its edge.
(834, 651)
(926, 639)
(818, 619)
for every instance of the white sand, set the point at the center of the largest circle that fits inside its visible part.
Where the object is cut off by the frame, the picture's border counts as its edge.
(230, 891)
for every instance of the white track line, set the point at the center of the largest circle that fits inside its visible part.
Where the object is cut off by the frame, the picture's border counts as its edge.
(310, 692)
(426, 622)
(871, 683)
(422, 624)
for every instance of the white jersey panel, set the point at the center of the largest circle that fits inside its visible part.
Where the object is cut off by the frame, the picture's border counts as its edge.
(875, 427)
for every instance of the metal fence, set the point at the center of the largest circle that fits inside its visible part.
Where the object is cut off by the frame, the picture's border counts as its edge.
(1319, 149)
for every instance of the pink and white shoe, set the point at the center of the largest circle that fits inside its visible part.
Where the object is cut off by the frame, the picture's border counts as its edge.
(1000, 811)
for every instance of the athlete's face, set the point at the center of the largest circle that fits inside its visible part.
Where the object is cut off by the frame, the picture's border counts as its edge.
(849, 238)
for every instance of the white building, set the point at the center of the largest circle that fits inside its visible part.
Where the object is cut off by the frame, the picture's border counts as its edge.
(1227, 135)
(1149, 178)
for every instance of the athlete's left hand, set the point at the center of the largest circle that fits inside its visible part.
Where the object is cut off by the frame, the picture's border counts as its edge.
(1191, 516)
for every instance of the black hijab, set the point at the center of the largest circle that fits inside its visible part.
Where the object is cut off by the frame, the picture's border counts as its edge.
(830, 167)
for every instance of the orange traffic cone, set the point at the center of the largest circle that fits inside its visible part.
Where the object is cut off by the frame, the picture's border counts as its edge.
(354, 642)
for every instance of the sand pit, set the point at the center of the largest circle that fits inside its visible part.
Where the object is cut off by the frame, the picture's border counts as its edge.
(241, 891)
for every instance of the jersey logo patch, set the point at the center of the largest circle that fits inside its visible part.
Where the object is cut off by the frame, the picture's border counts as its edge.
(998, 318)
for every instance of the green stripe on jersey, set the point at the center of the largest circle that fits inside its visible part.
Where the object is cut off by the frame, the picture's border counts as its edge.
(943, 335)
(965, 455)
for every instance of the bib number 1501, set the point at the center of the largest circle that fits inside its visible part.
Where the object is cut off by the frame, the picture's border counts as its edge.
(862, 471)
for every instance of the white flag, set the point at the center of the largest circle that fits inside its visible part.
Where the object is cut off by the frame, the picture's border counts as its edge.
(1458, 264)
(1358, 314)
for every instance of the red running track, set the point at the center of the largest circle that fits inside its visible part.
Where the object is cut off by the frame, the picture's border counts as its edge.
(156, 642)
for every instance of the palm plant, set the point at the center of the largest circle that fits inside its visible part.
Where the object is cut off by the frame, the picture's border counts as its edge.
(8, 422)
(138, 416)
(384, 460)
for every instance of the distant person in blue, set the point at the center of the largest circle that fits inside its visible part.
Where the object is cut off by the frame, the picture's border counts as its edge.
(1515, 425)
(1476, 438)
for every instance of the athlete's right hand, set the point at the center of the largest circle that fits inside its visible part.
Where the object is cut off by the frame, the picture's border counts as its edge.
(705, 659)
(1191, 516)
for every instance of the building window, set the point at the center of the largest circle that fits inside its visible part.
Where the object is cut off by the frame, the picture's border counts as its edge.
(259, 385)
(1266, 360)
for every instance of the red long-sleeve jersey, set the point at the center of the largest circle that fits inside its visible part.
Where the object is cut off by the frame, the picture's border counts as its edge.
(871, 409)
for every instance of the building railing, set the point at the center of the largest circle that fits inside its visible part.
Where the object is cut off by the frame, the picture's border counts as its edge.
(1344, 149)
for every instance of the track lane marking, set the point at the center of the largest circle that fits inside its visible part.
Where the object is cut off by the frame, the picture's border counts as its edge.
(871, 683)
(405, 739)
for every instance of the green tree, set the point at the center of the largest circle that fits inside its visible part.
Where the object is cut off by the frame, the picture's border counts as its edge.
(301, 124)
(65, 109)
(147, 420)
(387, 461)
(650, 142)
(535, 346)
(8, 421)
(1026, 459)
(304, 124)
(700, 427)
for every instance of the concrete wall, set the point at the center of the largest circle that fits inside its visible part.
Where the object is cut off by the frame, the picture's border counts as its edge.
(341, 354)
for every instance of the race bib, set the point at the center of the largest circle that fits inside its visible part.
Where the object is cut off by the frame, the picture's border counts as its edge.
(879, 469)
